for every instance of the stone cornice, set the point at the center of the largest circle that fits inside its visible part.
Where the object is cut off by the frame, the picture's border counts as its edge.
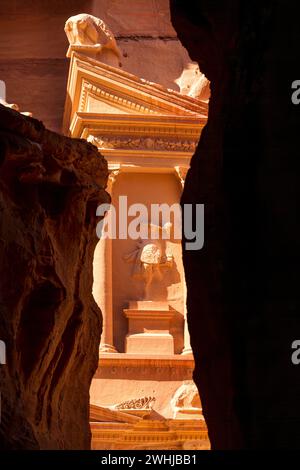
(139, 140)
(130, 360)
(84, 124)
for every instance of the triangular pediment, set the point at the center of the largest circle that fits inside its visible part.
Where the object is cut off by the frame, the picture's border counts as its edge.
(97, 88)
(105, 414)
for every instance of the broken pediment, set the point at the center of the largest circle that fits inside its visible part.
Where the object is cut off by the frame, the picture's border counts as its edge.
(129, 411)
(106, 414)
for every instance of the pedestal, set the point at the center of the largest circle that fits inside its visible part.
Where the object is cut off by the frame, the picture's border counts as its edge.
(149, 328)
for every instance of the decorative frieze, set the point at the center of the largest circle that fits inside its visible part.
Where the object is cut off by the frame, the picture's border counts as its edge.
(144, 143)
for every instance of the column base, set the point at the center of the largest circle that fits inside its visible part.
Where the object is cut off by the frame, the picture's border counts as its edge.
(107, 349)
(187, 351)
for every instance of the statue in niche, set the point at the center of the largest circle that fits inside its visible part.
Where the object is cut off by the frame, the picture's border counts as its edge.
(90, 35)
(149, 259)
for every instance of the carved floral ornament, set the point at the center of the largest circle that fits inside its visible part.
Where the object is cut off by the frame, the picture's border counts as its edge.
(143, 143)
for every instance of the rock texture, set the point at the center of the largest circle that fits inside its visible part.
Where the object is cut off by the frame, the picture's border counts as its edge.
(243, 286)
(33, 48)
(50, 187)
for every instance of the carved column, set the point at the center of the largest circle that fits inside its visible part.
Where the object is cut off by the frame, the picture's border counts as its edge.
(181, 173)
(102, 287)
(187, 345)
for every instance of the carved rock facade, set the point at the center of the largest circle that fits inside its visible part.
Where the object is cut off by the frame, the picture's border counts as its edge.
(148, 134)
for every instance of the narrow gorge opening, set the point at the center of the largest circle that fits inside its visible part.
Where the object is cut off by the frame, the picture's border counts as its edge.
(142, 102)
(133, 92)
(147, 126)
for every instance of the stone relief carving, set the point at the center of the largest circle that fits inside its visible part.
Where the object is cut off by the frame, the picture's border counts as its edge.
(192, 82)
(149, 257)
(200, 88)
(186, 397)
(145, 403)
(89, 34)
(145, 143)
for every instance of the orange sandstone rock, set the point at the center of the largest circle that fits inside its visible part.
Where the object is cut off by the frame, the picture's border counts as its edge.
(50, 186)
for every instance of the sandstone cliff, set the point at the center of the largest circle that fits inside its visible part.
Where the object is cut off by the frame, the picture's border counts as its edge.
(50, 187)
(243, 286)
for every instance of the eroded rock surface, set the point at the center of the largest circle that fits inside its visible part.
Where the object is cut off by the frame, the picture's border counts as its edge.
(50, 186)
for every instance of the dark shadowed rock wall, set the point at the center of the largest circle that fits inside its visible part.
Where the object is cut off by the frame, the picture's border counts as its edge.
(243, 286)
(50, 186)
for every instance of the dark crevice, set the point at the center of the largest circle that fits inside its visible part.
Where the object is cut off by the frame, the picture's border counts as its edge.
(36, 324)
(242, 296)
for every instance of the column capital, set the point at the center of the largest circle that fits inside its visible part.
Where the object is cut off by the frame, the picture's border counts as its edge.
(181, 172)
(113, 173)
